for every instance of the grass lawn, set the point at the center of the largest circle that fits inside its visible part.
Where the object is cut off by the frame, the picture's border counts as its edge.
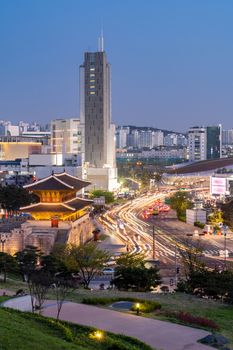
(25, 331)
(221, 313)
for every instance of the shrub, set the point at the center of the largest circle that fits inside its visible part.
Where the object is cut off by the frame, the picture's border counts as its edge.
(199, 224)
(146, 306)
(196, 320)
(182, 218)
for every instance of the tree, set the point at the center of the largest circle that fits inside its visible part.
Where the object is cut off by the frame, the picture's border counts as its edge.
(131, 273)
(13, 197)
(58, 266)
(109, 196)
(39, 283)
(191, 253)
(227, 211)
(131, 260)
(27, 260)
(7, 264)
(89, 260)
(180, 201)
(63, 285)
(140, 279)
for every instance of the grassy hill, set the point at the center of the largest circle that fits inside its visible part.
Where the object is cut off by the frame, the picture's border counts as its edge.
(25, 331)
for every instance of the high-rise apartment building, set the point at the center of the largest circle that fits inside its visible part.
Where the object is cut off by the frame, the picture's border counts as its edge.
(197, 143)
(157, 138)
(95, 110)
(121, 136)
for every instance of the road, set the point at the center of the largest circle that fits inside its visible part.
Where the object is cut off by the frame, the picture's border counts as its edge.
(126, 222)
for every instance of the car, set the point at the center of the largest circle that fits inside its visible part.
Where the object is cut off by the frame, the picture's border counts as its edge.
(108, 271)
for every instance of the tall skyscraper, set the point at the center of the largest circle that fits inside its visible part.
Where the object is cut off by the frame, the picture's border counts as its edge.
(95, 110)
(95, 116)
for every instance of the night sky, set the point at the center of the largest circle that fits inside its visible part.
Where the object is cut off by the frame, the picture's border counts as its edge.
(172, 60)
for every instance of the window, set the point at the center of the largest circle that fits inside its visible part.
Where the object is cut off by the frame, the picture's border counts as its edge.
(92, 69)
(92, 93)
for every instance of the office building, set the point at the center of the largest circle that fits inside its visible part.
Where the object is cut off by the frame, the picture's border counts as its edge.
(197, 143)
(214, 142)
(227, 137)
(95, 116)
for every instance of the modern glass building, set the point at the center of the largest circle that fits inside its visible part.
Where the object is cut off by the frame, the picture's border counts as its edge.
(214, 142)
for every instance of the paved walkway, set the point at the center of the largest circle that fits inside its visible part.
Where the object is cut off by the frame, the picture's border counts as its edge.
(159, 335)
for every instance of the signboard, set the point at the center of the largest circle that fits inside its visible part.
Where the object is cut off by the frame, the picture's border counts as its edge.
(218, 185)
(99, 201)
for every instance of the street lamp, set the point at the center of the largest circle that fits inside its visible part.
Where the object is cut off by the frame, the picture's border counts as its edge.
(3, 241)
(224, 231)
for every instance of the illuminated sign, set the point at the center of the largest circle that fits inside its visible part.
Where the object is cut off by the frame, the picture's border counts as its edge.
(218, 185)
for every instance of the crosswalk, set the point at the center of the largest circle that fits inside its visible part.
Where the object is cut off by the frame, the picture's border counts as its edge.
(210, 252)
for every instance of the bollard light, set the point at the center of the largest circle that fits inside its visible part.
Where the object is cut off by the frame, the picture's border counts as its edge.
(137, 308)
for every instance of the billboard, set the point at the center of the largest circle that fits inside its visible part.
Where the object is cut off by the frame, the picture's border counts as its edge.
(219, 186)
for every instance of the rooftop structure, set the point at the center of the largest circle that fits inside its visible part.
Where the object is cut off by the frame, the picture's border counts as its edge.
(57, 198)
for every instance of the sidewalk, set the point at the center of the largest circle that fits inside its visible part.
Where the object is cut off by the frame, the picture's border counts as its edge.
(159, 335)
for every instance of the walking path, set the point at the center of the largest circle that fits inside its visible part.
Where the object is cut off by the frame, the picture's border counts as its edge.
(159, 335)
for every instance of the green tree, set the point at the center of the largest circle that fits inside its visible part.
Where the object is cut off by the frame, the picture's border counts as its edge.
(227, 213)
(216, 218)
(131, 273)
(38, 285)
(7, 264)
(139, 279)
(13, 197)
(131, 260)
(89, 260)
(27, 260)
(180, 201)
(109, 196)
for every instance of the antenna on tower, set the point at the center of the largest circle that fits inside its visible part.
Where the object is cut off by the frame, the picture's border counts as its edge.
(101, 41)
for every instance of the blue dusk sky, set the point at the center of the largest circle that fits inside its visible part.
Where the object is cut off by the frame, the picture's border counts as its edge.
(172, 60)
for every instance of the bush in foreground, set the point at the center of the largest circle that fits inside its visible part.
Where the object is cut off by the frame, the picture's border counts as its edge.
(146, 306)
(188, 318)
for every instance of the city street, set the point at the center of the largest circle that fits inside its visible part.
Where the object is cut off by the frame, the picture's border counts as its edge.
(127, 223)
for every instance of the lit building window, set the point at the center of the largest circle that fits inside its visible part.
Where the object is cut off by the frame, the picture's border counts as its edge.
(92, 75)
(92, 69)
(92, 87)
(92, 93)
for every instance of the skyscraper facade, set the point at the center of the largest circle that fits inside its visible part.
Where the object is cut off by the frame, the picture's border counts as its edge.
(214, 142)
(95, 110)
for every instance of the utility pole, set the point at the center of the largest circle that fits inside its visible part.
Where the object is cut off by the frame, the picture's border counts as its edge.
(225, 245)
(153, 242)
(175, 265)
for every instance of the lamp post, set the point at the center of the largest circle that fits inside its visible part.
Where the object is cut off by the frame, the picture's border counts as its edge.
(3, 240)
(153, 242)
(224, 231)
(137, 308)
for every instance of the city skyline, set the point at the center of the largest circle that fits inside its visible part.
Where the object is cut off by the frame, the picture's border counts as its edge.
(178, 55)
